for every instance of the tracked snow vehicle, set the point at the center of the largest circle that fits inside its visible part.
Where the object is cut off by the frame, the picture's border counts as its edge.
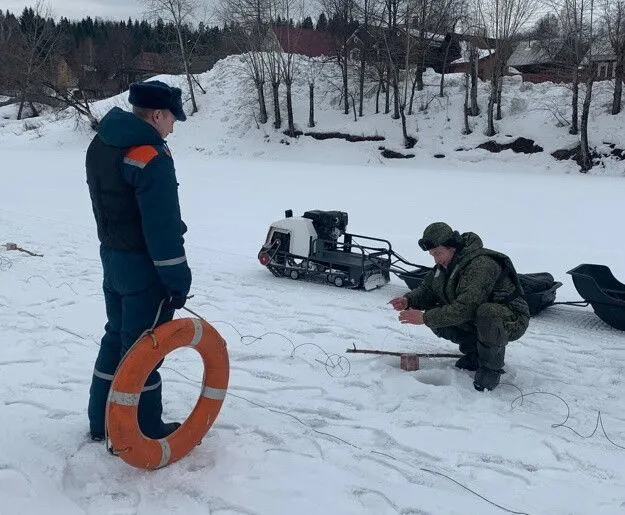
(316, 245)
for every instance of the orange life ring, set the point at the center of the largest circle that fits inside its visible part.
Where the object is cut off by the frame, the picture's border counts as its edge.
(126, 439)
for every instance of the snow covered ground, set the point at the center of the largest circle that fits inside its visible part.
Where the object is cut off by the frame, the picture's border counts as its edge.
(297, 434)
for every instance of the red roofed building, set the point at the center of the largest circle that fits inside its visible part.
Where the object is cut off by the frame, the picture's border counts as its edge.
(308, 42)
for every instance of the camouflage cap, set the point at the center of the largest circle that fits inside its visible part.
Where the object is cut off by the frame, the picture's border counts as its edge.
(439, 234)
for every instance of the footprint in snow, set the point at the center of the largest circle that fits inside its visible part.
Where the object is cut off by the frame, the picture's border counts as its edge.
(434, 377)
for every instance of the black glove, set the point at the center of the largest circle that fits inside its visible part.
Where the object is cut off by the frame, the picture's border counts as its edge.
(175, 302)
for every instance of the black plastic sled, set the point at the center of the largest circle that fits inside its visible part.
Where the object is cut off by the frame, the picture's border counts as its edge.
(414, 278)
(598, 286)
(539, 289)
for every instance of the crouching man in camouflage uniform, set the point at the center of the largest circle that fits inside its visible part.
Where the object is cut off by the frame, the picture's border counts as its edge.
(471, 297)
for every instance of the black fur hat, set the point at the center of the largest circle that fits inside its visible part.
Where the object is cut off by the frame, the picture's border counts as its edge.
(157, 95)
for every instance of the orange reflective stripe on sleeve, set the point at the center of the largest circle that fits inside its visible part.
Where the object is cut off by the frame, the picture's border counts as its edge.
(140, 156)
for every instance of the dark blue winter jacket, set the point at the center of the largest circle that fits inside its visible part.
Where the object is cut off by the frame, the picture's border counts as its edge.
(134, 193)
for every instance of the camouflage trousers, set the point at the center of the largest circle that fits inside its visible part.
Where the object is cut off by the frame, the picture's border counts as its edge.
(487, 334)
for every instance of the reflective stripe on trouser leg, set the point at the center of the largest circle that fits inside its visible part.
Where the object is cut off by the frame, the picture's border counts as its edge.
(171, 262)
(104, 369)
(151, 387)
(103, 375)
(98, 393)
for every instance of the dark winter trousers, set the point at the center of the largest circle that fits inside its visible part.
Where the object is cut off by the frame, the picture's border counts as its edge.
(132, 294)
(488, 334)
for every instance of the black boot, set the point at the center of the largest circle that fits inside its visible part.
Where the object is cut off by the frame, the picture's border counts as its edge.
(468, 362)
(486, 378)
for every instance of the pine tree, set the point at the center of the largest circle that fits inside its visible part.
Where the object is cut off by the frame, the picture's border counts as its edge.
(322, 23)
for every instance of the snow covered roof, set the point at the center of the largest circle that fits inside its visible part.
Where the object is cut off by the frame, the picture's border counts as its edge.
(428, 36)
(481, 52)
(601, 50)
(527, 53)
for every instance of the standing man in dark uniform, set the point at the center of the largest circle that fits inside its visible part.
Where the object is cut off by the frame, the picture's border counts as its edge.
(472, 297)
(134, 194)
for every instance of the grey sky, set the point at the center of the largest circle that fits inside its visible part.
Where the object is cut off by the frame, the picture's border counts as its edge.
(77, 9)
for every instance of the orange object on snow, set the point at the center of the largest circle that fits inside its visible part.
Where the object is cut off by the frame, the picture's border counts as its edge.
(126, 439)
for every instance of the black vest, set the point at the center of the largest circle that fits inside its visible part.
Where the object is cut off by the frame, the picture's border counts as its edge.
(113, 200)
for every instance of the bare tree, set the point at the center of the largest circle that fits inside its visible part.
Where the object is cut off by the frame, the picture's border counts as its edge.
(313, 70)
(341, 13)
(504, 21)
(367, 12)
(614, 23)
(546, 28)
(380, 70)
(39, 36)
(573, 26)
(251, 17)
(385, 54)
(393, 48)
(182, 14)
(402, 98)
(448, 43)
(76, 101)
(473, 36)
(287, 9)
(471, 59)
(365, 8)
(255, 63)
(573, 48)
(273, 64)
(586, 157)
(474, 64)
(573, 16)
(428, 19)
(465, 117)
(288, 74)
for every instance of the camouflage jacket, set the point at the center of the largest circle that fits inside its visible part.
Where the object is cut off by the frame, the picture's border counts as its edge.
(450, 297)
